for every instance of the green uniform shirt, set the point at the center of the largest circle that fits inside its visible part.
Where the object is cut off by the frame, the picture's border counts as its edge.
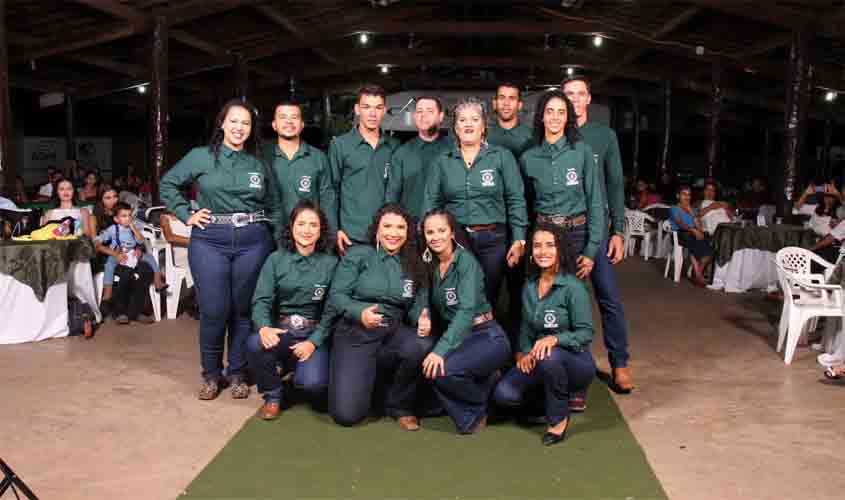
(292, 283)
(458, 298)
(489, 192)
(517, 140)
(562, 180)
(409, 171)
(359, 175)
(366, 276)
(304, 177)
(564, 312)
(238, 182)
(602, 140)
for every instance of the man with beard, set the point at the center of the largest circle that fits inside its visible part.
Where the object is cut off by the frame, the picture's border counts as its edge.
(602, 140)
(360, 162)
(411, 161)
(302, 171)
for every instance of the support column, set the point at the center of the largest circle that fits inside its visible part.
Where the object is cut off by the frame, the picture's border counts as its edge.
(667, 127)
(715, 117)
(242, 77)
(635, 164)
(7, 158)
(795, 117)
(827, 168)
(70, 122)
(158, 104)
(767, 148)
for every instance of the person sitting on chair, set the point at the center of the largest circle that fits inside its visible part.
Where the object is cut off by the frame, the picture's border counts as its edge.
(686, 221)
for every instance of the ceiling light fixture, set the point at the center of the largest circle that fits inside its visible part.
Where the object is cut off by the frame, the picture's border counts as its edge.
(363, 38)
(142, 89)
(384, 68)
(570, 71)
(598, 40)
(830, 96)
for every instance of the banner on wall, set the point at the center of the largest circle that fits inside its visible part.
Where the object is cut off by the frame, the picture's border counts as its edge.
(43, 152)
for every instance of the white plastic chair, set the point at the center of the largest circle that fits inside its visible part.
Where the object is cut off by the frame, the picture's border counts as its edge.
(174, 276)
(676, 256)
(154, 296)
(805, 296)
(635, 227)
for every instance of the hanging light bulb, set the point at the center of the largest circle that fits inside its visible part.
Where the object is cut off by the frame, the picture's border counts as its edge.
(384, 68)
(363, 38)
(570, 71)
(598, 40)
(142, 89)
(830, 96)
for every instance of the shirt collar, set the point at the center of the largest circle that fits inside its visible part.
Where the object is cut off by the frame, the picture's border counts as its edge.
(361, 139)
(383, 255)
(455, 151)
(228, 152)
(303, 150)
(560, 146)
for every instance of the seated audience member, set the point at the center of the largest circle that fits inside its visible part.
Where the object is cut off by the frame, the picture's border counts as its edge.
(554, 335)
(825, 216)
(644, 196)
(45, 191)
(65, 204)
(828, 247)
(18, 192)
(712, 212)
(294, 281)
(758, 196)
(667, 188)
(684, 219)
(813, 197)
(178, 235)
(90, 189)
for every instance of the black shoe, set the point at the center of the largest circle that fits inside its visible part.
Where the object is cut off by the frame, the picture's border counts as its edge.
(122, 319)
(550, 438)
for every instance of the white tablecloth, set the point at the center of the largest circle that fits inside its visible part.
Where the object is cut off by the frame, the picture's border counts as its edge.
(748, 269)
(26, 319)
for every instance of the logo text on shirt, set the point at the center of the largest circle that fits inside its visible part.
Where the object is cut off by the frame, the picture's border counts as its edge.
(571, 177)
(488, 179)
(451, 297)
(255, 180)
(550, 320)
(305, 183)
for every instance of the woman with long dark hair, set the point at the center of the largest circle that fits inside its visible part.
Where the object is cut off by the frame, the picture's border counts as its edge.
(555, 333)
(378, 292)
(89, 191)
(294, 282)
(473, 345)
(65, 204)
(229, 238)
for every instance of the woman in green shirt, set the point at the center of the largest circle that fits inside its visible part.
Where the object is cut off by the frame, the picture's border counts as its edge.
(378, 291)
(555, 333)
(229, 240)
(473, 346)
(294, 282)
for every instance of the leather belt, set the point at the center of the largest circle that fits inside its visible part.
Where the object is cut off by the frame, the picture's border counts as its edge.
(238, 219)
(482, 227)
(564, 221)
(296, 321)
(482, 318)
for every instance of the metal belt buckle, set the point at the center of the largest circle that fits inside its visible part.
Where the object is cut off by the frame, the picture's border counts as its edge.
(212, 219)
(240, 219)
(297, 321)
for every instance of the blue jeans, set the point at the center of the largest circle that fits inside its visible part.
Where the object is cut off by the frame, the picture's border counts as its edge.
(311, 376)
(491, 249)
(471, 374)
(562, 373)
(111, 264)
(359, 354)
(225, 262)
(603, 276)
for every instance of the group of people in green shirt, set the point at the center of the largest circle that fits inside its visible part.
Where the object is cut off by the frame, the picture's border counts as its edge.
(389, 259)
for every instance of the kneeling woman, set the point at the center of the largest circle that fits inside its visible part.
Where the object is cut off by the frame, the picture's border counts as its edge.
(555, 333)
(294, 281)
(377, 292)
(473, 345)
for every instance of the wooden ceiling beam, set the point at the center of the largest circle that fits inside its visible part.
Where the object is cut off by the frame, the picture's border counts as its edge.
(273, 14)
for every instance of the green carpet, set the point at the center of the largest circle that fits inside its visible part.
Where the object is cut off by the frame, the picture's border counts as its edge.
(304, 455)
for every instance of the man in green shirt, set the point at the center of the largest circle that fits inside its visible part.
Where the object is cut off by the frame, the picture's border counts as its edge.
(507, 132)
(360, 162)
(409, 168)
(302, 171)
(602, 140)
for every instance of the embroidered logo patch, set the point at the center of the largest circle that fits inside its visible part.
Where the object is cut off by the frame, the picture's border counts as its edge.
(408, 289)
(305, 183)
(255, 180)
(488, 179)
(550, 320)
(596, 158)
(319, 292)
(571, 177)
(451, 297)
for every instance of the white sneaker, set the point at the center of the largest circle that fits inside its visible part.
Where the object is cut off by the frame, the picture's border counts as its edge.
(829, 360)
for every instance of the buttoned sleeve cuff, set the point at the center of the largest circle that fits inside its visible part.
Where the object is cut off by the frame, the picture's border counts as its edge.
(518, 233)
(354, 310)
(590, 251)
(183, 214)
(442, 348)
(318, 336)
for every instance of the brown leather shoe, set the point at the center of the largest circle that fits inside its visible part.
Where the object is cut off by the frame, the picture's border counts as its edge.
(409, 423)
(480, 425)
(623, 381)
(270, 411)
